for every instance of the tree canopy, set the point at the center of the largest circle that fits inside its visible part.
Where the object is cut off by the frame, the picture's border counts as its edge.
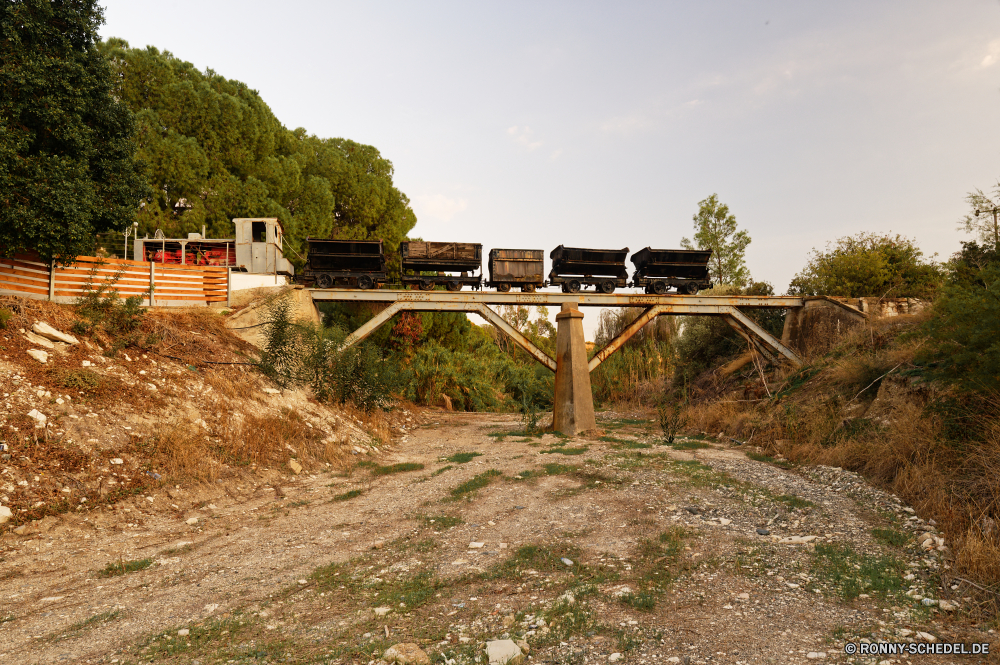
(715, 229)
(981, 222)
(866, 265)
(216, 151)
(67, 142)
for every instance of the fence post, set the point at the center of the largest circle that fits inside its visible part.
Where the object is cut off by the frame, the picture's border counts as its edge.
(52, 280)
(152, 283)
(229, 286)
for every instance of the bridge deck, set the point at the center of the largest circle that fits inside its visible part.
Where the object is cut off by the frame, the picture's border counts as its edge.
(675, 303)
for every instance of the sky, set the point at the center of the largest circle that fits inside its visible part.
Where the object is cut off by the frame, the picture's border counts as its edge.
(603, 124)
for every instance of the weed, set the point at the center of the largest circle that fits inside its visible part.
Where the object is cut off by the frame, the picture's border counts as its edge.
(96, 620)
(347, 496)
(671, 414)
(540, 558)
(476, 482)
(890, 537)
(689, 445)
(8, 617)
(75, 379)
(462, 458)
(101, 308)
(643, 601)
(5, 316)
(442, 470)
(121, 567)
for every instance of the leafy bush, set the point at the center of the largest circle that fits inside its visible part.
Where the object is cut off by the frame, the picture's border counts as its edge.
(5, 316)
(868, 264)
(965, 348)
(101, 309)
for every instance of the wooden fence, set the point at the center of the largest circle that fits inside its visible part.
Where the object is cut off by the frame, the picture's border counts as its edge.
(162, 285)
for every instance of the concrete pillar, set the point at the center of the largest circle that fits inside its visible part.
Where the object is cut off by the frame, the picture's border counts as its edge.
(573, 408)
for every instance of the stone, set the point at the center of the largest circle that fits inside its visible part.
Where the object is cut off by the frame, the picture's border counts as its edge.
(39, 355)
(566, 562)
(382, 611)
(476, 546)
(5, 514)
(573, 408)
(272, 391)
(295, 467)
(87, 363)
(45, 330)
(943, 604)
(797, 540)
(38, 340)
(926, 637)
(38, 417)
(724, 521)
(615, 657)
(192, 521)
(523, 645)
(406, 653)
(117, 460)
(763, 532)
(504, 652)
(183, 632)
(816, 655)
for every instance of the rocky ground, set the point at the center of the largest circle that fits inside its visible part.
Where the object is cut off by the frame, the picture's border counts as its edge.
(464, 532)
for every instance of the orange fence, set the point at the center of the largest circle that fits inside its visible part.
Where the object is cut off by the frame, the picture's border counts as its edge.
(160, 284)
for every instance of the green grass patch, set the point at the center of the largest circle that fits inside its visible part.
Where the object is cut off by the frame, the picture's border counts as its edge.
(760, 457)
(793, 501)
(462, 458)
(442, 470)
(689, 444)
(441, 521)
(644, 601)
(890, 537)
(347, 496)
(116, 568)
(476, 482)
(402, 467)
(624, 443)
(852, 574)
(566, 451)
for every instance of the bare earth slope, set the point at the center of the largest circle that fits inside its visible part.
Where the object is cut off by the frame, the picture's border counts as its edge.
(591, 551)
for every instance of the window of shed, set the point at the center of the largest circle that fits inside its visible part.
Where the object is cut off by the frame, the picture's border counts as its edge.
(258, 232)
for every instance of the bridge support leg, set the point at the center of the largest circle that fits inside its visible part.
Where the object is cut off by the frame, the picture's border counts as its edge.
(573, 405)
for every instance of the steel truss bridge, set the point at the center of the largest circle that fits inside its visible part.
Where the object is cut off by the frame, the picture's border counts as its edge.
(728, 307)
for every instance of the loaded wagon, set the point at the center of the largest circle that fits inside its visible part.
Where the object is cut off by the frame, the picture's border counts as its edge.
(658, 270)
(430, 263)
(573, 267)
(347, 263)
(524, 268)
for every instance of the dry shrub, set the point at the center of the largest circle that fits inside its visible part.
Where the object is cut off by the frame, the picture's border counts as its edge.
(978, 556)
(185, 450)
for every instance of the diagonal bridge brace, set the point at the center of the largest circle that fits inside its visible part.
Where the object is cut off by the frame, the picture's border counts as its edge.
(477, 308)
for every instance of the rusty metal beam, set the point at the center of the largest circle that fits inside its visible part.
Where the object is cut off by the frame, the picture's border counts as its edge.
(678, 304)
(754, 343)
(762, 334)
(371, 325)
(624, 336)
(503, 326)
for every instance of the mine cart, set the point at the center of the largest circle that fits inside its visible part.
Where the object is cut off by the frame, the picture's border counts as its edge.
(345, 263)
(573, 267)
(658, 270)
(431, 262)
(524, 268)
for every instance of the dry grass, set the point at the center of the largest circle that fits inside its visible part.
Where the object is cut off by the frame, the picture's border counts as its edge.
(185, 451)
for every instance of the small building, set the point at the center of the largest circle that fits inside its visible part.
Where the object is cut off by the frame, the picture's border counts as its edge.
(256, 250)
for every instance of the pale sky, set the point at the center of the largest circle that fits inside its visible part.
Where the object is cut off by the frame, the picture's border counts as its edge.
(534, 124)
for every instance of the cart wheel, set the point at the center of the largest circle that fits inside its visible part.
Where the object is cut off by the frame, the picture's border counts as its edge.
(659, 288)
(527, 288)
(562, 287)
(323, 281)
(426, 286)
(454, 286)
(573, 286)
(691, 289)
(365, 282)
(607, 286)
(503, 288)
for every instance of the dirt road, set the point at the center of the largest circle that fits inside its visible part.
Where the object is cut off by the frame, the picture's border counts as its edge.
(590, 551)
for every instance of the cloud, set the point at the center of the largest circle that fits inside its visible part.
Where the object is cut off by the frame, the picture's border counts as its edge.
(992, 54)
(523, 137)
(438, 206)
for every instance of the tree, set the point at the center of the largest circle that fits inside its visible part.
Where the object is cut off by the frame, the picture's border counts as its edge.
(983, 221)
(866, 265)
(67, 142)
(216, 151)
(715, 229)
